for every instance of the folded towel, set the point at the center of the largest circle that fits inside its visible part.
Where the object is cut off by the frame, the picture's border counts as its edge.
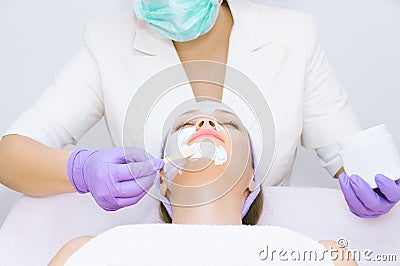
(173, 244)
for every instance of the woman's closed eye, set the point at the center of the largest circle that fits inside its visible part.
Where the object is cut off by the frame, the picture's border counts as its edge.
(182, 125)
(232, 124)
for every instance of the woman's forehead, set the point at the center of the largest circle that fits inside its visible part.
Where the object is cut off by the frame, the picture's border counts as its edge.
(205, 108)
(215, 112)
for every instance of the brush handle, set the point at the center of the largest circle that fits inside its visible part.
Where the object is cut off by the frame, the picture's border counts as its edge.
(189, 151)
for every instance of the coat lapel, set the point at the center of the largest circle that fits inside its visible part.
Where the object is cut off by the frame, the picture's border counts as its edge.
(253, 50)
(151, 53)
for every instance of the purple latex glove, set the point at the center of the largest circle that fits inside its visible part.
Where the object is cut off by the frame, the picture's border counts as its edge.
(366, 202)
(114, 180)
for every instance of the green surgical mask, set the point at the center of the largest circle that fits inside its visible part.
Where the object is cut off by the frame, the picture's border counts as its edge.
(179, 20)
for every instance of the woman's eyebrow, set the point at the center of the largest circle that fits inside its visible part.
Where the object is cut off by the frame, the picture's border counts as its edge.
(226, 112)
(182, 116)
(189, 112)
(217, 110)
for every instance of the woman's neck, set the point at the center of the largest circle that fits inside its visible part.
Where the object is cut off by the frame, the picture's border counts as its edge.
(218, 36)
(225, 210)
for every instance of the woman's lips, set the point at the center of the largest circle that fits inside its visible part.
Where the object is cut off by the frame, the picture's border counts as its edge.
(207, 133)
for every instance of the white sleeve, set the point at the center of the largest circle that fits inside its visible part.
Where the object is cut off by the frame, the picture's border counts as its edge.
(69, 107)
(328, 115)
(329, 158)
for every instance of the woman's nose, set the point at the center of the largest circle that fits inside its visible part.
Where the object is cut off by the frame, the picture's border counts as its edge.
(205, 123)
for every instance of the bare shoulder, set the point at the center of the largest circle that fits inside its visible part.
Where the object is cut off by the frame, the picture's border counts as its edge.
(68, 249)
(341, 257)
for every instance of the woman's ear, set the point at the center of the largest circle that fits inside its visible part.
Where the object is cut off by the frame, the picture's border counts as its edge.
(252, 184)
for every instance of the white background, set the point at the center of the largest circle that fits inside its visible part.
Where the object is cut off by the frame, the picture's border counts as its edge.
(361, 37)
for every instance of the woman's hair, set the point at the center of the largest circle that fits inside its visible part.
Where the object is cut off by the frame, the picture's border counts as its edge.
(251, 218)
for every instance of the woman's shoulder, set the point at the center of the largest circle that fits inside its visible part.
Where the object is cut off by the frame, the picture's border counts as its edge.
(68, 249)
(342, 258)
(119, 19)
(111, 32)
(278, 12)
(283, 24)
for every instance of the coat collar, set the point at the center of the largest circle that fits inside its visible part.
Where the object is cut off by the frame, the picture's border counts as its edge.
(246, 24)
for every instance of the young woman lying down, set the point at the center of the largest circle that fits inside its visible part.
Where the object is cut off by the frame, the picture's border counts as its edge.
(210, 203)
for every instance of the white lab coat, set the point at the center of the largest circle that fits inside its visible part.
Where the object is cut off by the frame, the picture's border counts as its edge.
(277, 48)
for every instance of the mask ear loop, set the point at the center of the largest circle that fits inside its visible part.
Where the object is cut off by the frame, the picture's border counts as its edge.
(220, 2)
(163, 185)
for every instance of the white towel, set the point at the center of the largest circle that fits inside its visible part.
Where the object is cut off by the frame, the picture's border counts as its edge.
(173, 244)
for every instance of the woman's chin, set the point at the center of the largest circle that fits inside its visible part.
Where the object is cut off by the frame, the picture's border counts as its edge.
(202, 177)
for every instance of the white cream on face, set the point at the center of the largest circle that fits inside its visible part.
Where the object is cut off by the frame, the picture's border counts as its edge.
(204, 149)
(218, 127)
